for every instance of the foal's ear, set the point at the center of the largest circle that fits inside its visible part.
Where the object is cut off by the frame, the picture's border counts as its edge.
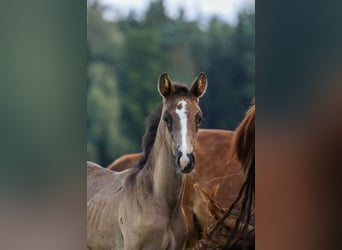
(164, 85)
(199, 86)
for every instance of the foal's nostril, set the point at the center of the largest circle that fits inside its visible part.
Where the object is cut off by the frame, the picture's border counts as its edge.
(178, 154)
(192, 158)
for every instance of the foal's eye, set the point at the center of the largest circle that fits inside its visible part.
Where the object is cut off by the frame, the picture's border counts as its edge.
(199, 119)
(168, 120)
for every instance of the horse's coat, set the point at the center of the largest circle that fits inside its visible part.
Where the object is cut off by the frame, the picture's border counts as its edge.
(141, 208)
(239, 234)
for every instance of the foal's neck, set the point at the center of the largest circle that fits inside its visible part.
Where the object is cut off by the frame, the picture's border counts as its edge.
(167, 183)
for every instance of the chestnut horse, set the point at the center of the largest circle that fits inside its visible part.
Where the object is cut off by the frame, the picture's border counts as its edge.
(215, 170)
(141, 208)
(224, 234)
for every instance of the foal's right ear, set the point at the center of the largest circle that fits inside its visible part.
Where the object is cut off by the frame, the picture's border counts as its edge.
(199, 86)
(164, 85)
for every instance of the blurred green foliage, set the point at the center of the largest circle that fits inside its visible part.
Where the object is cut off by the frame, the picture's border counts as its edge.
(126, 57)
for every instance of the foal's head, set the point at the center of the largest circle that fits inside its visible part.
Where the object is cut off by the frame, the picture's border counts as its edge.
(181, 117)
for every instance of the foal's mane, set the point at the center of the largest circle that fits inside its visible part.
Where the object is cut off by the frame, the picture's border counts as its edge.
(244, 151)
(149, 137)
(152, 124)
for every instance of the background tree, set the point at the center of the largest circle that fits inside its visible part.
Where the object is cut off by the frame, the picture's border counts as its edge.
(105, 134)
(126, 57)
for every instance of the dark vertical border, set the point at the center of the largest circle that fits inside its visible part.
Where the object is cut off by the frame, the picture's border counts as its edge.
(43, 124)
(298, 124)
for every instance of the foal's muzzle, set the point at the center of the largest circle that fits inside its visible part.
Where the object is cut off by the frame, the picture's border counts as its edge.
(185, 163)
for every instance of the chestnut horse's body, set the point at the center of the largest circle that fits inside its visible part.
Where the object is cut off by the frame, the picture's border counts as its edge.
(141, 208)
(215, 169)
(229, 231)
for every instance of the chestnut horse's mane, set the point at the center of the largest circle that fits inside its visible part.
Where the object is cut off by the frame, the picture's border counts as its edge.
(152, 124)
(244, 140)
(222, 235)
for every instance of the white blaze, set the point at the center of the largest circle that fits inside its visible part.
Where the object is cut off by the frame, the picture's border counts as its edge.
(181, 112)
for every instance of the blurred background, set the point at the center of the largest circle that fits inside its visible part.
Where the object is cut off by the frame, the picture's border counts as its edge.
(130, 43)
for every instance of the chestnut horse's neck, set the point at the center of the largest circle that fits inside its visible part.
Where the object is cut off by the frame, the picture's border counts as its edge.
(167, 184)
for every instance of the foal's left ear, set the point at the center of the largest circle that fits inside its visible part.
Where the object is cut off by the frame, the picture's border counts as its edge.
(164, 85)
(199, 86)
